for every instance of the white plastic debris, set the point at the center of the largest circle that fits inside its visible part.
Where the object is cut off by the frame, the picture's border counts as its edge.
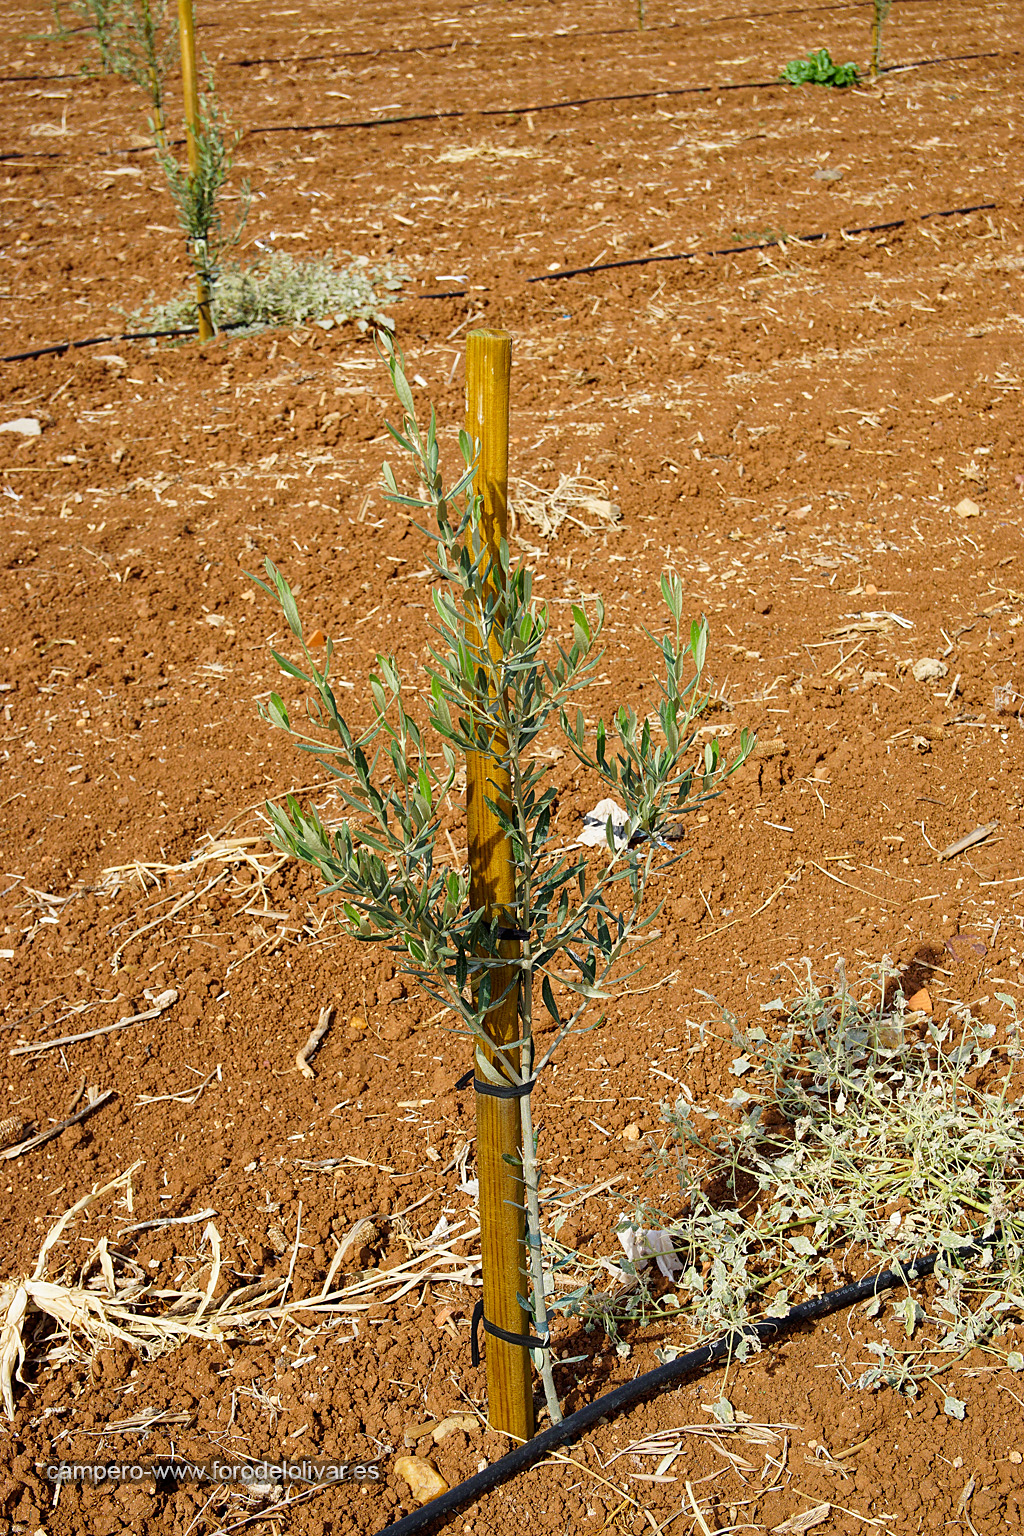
(28, 426)
(595, 825)
(640, 1245)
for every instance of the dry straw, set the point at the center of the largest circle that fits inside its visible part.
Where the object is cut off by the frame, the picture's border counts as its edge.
(116, 1305)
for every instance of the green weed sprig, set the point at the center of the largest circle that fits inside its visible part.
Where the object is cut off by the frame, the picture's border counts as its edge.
(820, 69)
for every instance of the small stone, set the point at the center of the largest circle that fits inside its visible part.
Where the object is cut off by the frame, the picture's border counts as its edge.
(425, 1482)
(631, 1133)
(1016, 1458)
(26, 426)
(967, 508)
(921, 1002)
(928, 670)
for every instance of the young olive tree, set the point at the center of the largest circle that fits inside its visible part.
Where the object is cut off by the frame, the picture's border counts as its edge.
(498, 683)
(880, 12)
(145, 47)
(196, 188)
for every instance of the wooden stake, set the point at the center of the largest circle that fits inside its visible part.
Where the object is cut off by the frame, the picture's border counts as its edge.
(492, 886)
(193, 127)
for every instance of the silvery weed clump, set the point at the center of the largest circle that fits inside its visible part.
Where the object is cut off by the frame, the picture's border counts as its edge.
(866, 1135)
(278, 290)
(497, 682)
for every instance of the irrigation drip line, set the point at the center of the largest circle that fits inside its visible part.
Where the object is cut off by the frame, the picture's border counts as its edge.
(759, 245)
(60, 347)
(97, 341)
(582, 101)
(526, 1455)
(459, 42)
(438, 116)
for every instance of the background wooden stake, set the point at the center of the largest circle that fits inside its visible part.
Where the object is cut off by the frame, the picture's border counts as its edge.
(193, 128)
(492, 885)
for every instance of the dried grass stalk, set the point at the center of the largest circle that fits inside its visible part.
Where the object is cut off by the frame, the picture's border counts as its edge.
(575, 499)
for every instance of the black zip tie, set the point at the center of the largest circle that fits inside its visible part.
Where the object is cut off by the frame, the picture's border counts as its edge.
(528, 1340)
(494, 1090)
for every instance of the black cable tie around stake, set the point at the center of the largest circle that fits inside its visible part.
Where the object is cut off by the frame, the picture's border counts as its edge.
(495, 1090)
(527, 1340)
(524, 1456)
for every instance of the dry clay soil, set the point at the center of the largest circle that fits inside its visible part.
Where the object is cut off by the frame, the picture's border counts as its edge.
(820, 436)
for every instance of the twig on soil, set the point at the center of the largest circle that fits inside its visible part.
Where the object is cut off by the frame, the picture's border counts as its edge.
(581, 1466)
(969, 840)
(225, 852)
(548, 510)
(115, 959)
(323, 1025)
(844, 659)
(139, 1423)
(696, 1509)
(858, 888)
(295, 1254)
(161, 1003)
(186, 1096)
(168, 1221)
(666, 981)
(11, 1129)
(55, 1130)
(212, 1236)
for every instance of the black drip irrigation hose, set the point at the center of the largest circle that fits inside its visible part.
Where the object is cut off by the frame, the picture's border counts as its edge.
(60, 347)
(476, 42)
(438, 116)
(458, 42)
(526, 1455)
(585, 101)
(759, 245)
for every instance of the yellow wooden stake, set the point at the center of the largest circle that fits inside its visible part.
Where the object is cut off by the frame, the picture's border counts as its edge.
(492, 886)
(190, 87)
